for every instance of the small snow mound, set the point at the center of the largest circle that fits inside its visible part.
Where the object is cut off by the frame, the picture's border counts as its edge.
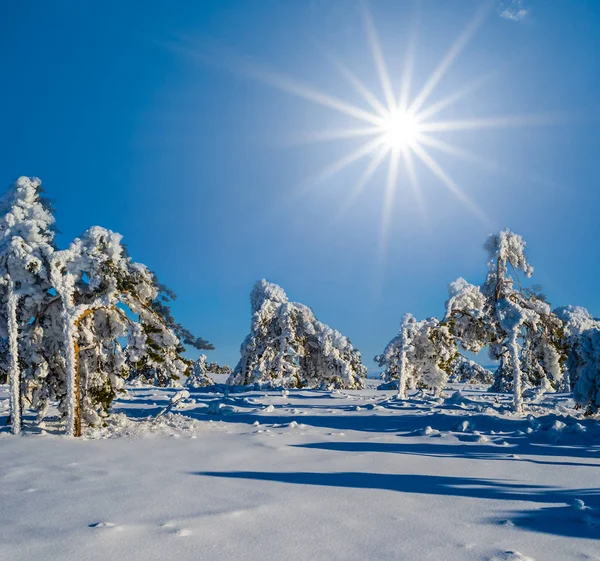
(578, 504)
(119, 425)
(457, 398)
(427, 431)
(293, 425)
(218, 408)
(511, 556)
(269, 409)
(102, 525)
(465, 426)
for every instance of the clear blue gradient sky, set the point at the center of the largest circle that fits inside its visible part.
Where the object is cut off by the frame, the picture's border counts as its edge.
(197, 167)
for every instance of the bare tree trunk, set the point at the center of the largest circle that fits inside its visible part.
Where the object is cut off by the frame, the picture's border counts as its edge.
(15, 374)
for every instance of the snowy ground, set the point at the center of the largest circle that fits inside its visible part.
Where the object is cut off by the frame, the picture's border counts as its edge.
(307, 476)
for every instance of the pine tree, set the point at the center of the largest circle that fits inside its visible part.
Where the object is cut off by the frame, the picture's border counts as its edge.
(26, 244)
(198, 377)
(582, 337)
(515, 322)
(287, 346)
(96, 280)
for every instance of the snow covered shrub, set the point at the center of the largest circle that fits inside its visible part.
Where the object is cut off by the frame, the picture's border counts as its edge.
(468, 371)
(584, 363)
(216, 368)
(421, 354)
(287, 346)
(582, 334)
(198, 376)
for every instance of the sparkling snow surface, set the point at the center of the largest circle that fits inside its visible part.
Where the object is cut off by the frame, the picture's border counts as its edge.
(306, 475)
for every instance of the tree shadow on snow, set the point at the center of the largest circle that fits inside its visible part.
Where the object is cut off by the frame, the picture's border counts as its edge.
(488, 451)
(561, 520)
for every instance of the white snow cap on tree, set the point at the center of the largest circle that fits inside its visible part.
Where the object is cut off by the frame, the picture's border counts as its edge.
(289, 347)
(507, 248)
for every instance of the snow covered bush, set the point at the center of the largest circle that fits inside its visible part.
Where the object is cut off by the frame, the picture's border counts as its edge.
(198, 375)
(287, 346)
(421, 354)
(467, 371)
(582, 334)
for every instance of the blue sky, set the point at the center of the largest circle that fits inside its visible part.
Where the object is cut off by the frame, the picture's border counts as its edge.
(136, 119)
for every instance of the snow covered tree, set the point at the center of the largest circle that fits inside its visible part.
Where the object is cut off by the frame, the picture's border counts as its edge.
(582, 336)
(26, 243)
(287, 346)
(198, 377)
(467, 371)
(394, 357)
(96, 281)
(515, 322)
(420, 355)
(216, 368)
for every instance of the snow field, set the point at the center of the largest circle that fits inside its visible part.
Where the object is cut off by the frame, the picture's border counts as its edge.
(277, 475)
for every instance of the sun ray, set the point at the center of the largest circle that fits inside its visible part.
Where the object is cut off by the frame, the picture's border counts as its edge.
(449, 183)
(407, 73)
(388, 201)
(507, 121)
(377, 54)
(332, 134)
(345, 161)
(446, 147)
(450, 57)
(358, 85)
(251, 69)
(486, 164)
(414, 182)
(451, 99)
(364, 179)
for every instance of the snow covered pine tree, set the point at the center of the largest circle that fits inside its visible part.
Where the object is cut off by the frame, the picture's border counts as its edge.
(287, 346)
(67, 310)
(26, 243)
(515, 322)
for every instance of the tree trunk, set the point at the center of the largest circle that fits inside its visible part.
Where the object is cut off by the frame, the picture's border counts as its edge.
(513, 347)
(15, 374)
(402, 368)
(73, 425)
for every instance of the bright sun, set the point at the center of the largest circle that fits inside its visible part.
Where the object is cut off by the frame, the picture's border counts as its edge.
(400, 130)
